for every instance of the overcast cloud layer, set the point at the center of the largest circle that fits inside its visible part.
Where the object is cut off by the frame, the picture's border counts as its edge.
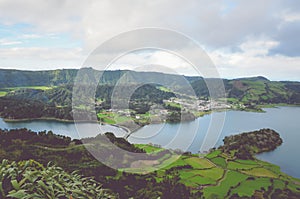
(243, 38)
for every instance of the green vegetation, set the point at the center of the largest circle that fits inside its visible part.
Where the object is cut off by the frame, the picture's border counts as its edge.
(50, 94)
(231, 171)
(234, 165)
(148, 148)
(30, 179)
(248, 187)
(107, 117)
(22, 144)
(213, 154)
(164, 89)
(30, 87)
(3, 93)
(217, 174)
(121, 118)
(231, 179)
(56, 102)
(198, 163)
(173, 105)
(177, 116)
(220, 161)
(201, 113)
(249, 93)
(260, 172)
(245, 145)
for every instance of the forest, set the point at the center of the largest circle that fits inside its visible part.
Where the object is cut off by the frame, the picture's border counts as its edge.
(246, 145)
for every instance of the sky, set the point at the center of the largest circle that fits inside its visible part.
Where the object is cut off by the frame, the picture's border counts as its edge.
(242, 38)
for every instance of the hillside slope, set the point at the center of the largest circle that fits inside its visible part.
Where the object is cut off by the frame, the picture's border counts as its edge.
(49, 93)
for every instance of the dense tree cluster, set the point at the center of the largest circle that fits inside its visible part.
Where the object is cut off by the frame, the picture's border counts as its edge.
(245, 145)
(56, 103)
(28, 137)
(26, 145)
(30, 109)
(177, 116)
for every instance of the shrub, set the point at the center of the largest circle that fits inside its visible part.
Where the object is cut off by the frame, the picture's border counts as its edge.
(30, 179)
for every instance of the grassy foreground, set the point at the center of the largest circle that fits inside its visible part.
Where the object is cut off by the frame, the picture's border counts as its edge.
(219, 176)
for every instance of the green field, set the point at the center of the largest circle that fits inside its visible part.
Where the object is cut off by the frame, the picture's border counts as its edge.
(3, 93)
(237, 165)
(219, 161)
(31, 87)
(148, 148)
(112, 118)
(213, 154)
(261, 172)
(173, 104)
(232, 178)
(198, 163)
(247, 187)
(195, 180)
(213, 173)
(220, 176)
(162, 88)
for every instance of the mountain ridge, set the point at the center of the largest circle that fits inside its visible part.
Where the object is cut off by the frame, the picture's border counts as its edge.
(257, 89)
(62, 76)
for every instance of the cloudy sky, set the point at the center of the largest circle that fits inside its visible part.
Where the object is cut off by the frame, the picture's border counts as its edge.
(242, 38)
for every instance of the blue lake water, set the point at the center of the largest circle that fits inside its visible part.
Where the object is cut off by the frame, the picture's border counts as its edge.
(63, 128)
(189, 136)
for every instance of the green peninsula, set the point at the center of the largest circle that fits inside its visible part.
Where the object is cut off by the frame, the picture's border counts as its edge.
(221, 173)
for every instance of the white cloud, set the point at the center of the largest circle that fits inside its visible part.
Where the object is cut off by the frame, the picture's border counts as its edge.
(290, 17)
(254, 47)
(41, 53)
(254, 60)
(7, 42)
(30, 36)
(160, 61)
(40, 58)
(238, 35)
(95, 21)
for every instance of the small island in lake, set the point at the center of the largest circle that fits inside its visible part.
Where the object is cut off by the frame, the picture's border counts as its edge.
(245, 145)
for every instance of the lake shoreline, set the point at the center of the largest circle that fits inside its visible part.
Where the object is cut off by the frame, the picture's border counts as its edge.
(132, 128)
(197, 114)
(275, 118)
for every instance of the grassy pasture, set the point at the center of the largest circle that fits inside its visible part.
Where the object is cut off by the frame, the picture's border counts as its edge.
(261, 172)
(247, 187)
(232, 178)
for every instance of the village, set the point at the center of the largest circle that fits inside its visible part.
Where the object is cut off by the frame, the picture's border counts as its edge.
(189, 109)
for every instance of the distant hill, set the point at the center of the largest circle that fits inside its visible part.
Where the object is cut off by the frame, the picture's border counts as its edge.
(256, 90)
(261, 90)
(17, 78)
(54, 88)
